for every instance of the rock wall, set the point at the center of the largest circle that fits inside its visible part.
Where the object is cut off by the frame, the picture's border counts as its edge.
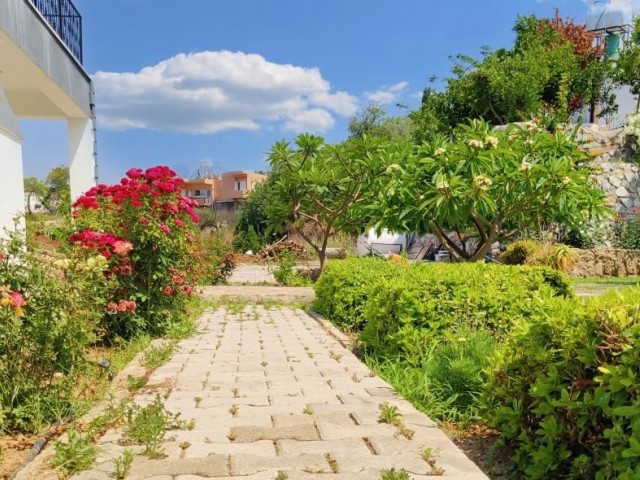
(614, 171)
(607, 262)
(621, 182)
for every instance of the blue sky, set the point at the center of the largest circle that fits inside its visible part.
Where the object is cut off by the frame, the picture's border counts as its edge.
(180, 82)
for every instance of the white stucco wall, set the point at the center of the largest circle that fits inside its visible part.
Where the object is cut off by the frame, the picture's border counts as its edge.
(82, 168)
(11, 179)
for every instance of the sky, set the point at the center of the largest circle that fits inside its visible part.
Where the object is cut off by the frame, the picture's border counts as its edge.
(184, 82)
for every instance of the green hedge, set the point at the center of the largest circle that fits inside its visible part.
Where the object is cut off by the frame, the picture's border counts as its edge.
(402, 308)
(407, 312)
(564, 390)
(344, 287)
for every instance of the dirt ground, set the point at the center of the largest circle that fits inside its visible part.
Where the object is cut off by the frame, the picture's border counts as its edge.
(13, 451)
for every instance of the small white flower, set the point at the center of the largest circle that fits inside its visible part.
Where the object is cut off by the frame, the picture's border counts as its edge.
(492, 142)
(475, 144)
(482, 182)
(525, 166)
(566, 181)
(440, 152)
(442, 184)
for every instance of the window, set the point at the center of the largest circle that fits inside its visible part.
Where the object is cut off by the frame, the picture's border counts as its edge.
(202, 193)
(240, 185)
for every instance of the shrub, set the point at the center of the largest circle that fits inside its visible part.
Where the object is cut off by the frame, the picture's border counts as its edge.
(285, 271)
(213, 257)
(50, 310)
(626, 231)
(455, 367)
(519, 251)
(406, 312)
(563, 390)
(146, 230)
(345, 286)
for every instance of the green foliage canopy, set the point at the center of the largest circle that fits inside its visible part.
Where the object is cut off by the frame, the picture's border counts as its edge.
(488, 184)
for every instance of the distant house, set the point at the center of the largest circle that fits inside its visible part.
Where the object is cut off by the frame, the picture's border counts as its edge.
(202, 190)
(41, 77)
(224, 191)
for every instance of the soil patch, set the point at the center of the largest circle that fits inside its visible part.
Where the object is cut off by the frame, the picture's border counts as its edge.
(13, 451)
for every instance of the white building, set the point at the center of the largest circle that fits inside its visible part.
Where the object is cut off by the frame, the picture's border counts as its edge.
(41, 77)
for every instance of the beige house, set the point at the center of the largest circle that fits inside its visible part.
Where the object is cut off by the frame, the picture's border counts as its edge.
(224, 191)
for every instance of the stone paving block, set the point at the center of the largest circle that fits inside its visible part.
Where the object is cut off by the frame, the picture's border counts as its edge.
(264, 448)
(355, 446)
(257, 476)
(209, 466)
(306, 419)
(332, 431)
(349, 462)
(248, 433)
(249, 464)
(226, 402)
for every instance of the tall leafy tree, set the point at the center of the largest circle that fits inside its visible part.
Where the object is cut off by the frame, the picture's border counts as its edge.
(487, 186)
(627, 70)
(321, 189)
(33, 188)
(553, 69)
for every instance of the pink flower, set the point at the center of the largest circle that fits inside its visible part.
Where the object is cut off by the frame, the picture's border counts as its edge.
(17, 300)
(144, 221)
(165, 228)
(121, 247)
(179, 223)
(168, 291)
(112, 308)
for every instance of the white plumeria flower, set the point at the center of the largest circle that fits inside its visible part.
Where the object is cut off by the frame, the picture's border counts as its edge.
(492, 142)
(475, 144)
(525, 166)
(482, 182)
(566, 181)
(440, 152)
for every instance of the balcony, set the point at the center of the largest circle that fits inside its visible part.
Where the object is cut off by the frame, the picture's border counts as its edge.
(63, 17)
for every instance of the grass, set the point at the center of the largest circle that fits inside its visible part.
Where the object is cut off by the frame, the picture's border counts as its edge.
(122, 465)
(76, 455)
(622, 281)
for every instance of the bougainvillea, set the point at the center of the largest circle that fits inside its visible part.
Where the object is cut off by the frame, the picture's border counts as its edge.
(145, 228)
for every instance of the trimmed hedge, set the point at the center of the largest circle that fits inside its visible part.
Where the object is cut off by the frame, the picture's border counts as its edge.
(343, 288)
(564, 390)
(400, 309)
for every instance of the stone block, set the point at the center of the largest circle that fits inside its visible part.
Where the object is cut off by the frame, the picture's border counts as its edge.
(250, 464)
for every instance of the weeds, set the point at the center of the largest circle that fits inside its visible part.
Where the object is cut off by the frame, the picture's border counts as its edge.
(76, 455)
(394, 474)
(390, 414)
(135, 383)
(307, 410)
(123, 465)
(147, 426)
(157, 356)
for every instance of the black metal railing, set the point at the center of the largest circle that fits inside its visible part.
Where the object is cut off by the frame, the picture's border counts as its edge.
(65, 20)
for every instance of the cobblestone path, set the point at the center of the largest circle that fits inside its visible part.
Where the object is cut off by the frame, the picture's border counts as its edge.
(273, 395)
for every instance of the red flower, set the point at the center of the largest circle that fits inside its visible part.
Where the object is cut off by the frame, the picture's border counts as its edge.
(17, 300)
(165, 228)
(168, 291)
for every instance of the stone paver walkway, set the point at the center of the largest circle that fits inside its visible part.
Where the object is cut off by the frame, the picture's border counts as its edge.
(274, 396)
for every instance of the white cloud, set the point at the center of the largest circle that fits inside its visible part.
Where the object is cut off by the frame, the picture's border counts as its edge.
(388, 93)
(629, 8)
(211, 91)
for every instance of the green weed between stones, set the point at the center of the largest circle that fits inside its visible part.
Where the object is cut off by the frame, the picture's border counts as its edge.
(122, 465)
(394, 474)
(148, 425)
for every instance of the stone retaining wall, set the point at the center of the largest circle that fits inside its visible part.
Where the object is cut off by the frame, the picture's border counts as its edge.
(606, 262)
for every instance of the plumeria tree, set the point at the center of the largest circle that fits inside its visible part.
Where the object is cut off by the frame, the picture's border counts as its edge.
(321, 189)
(146, 229)
(487, 185)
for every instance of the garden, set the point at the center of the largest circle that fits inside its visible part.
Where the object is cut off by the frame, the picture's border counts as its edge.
(497, 345)
(122, 270)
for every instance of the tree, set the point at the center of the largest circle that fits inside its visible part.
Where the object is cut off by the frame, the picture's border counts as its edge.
(373, 121)
(627, 71)
(57, 181)
(253, 217)
(33, 187)
(487, 185)
(552, 70)
(321, 189)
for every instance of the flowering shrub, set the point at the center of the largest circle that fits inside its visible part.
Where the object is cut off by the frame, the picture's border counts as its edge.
(146, 231)
(49, 314)
(626, 231)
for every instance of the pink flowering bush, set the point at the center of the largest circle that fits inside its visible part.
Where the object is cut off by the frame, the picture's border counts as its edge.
(146, 230)
(49, 316)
